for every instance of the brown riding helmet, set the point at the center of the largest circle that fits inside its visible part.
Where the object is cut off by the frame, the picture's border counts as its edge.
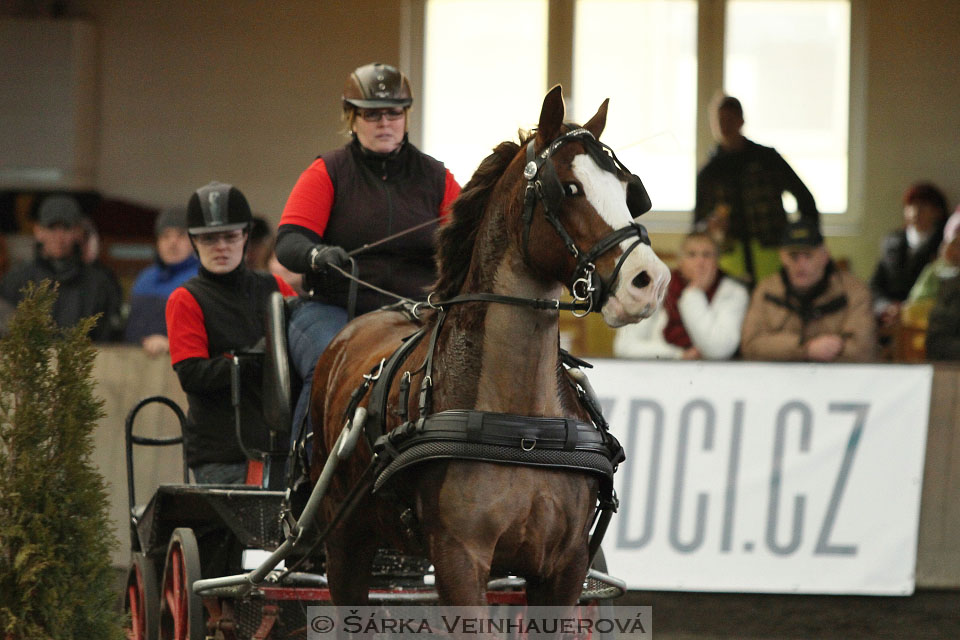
(377, 86)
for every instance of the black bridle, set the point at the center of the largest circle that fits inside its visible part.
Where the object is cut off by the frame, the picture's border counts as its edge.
(544, 185)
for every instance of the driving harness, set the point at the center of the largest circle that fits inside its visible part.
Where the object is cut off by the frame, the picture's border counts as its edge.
(466, 434)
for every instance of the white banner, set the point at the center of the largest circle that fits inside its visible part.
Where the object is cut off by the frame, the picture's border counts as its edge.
(759, 477)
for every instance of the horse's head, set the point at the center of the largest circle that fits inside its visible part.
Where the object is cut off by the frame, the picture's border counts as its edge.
(578, 225)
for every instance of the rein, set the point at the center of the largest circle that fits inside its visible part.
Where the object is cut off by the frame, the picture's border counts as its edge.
(394, 236)
(535, 303)
(353, 275)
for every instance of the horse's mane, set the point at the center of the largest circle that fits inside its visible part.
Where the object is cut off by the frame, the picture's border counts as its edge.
(456, 238)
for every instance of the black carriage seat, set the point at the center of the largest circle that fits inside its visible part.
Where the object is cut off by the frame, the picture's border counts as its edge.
(281, 384)
(279, 390)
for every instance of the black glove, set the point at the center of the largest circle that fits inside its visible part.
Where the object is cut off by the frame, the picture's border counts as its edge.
(323, 255)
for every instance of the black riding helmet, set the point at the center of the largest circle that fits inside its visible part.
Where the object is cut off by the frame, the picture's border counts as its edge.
(376, 86)
(217, 207)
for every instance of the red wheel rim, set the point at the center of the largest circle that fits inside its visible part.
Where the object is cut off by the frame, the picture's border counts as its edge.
(175, 594)
(135, 596)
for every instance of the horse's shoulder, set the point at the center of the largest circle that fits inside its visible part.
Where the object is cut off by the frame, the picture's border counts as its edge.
(376, 331)
(386, 320)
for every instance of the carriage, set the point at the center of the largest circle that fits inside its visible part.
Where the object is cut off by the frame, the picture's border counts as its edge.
(245, 561)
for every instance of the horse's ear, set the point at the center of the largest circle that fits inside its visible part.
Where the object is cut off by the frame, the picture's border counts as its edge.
(598, 121)
(551, 116)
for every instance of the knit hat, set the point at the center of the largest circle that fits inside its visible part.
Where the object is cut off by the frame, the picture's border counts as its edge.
(59, 209)
(172, 218)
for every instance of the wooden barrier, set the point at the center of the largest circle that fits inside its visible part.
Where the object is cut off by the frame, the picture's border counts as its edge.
(125, 375)
(938, 546)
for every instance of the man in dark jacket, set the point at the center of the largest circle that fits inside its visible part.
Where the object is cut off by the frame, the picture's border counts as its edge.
(82, 289)
(740, 197)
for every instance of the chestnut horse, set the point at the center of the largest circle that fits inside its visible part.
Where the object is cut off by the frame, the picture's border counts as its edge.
(475, 517)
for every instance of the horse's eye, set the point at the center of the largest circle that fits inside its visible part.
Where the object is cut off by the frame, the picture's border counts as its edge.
(571, 189)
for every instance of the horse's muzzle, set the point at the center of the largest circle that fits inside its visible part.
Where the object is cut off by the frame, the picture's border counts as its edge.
(639, 289)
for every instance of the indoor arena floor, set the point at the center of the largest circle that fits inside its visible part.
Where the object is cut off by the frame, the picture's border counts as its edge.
(926, 615)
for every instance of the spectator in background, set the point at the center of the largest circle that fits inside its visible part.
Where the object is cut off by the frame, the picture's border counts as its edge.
(259, 246)
(943, 325)
(4, 255)
(175, 263)
(739, 196)
(82, 289)
(908, 250)
(6, 309)
(90, 248)
(810, 311)
(924, 291)
(701, 315)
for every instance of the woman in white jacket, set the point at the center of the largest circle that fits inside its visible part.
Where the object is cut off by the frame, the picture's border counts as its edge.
(701, 314)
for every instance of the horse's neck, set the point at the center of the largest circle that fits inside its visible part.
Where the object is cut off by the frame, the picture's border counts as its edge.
(518, 347)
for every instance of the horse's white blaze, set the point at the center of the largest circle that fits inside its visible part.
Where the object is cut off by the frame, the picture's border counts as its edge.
(633, 298)
(603, 190)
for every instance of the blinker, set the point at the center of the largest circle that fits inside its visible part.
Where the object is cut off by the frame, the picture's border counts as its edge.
(638, 201)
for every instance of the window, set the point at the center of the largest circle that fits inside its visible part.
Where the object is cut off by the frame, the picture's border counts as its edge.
(643, 56)
(659, 61)
(481, 73)
(789, 64)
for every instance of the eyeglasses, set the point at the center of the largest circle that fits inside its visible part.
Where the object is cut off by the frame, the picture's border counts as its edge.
(374, 115)
(210, 239)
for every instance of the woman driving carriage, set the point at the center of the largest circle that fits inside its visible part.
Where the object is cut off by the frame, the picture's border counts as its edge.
(377, 185)
(221, 309)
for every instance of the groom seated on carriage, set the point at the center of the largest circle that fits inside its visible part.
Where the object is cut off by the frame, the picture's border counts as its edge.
(219, 312)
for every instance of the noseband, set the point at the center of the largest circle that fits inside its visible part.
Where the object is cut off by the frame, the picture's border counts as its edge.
(544, 185)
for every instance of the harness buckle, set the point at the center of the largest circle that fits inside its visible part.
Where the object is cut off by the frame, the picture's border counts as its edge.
(528, 444)
(538, 189)
(583, 289)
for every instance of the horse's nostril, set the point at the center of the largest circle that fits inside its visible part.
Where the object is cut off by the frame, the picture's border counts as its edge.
(641, 280)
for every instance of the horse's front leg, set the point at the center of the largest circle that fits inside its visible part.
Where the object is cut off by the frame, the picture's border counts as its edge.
(350, 552)
(459, 543)
(461, 570)
(563, 586)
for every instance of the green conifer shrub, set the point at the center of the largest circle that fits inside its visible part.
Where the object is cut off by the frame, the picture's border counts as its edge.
(55, 533)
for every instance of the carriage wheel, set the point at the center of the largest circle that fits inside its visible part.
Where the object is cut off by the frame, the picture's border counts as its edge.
(181, 611)
(141, 600)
